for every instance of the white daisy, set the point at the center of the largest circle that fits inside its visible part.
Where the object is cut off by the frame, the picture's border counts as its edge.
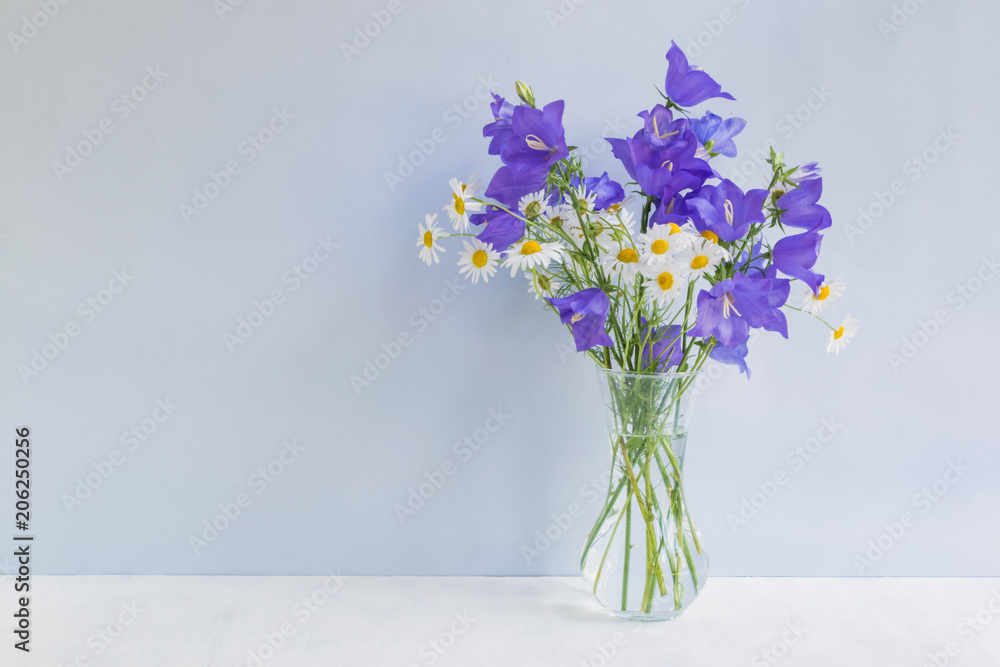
(478, 259)
(542, 285)
(597, 230)
(839, 337)
(701, 259)
(708, 235)
(528, 253)
(560, 216)
(461, 204)
(813, 304)
(665, 283)
(427, 243)
(533, 205)
(620, 220)
(586, 200)
(624, 263)
(687, 229)
(623, 204)
(661, 243)
(607, 230)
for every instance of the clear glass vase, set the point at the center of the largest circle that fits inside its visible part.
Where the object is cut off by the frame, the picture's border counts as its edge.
(643, 559)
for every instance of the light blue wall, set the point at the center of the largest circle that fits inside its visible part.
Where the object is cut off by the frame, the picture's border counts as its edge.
(885, 98)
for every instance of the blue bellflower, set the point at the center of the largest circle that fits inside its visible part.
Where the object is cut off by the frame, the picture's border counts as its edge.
(608, 192)
(687, 85)
(508, 188)
(720, 132)
(796, 255)
(501, 129)
(664, 347)
(734, 356)
(502, 229)
(806, 172)
(800, 208)
(661, 172)
(675, 211)
(538, 138)
(586, 312)
(726, 210)
(661, 130)
(733, 306)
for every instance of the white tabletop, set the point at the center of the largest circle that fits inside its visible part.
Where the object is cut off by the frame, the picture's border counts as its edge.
(137, 621)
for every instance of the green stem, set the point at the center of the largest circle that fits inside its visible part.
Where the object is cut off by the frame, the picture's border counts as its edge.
(609, 505)
(611, 541)
(628, 548)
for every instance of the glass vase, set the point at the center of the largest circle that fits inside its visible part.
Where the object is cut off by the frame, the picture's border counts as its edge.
(643, 559)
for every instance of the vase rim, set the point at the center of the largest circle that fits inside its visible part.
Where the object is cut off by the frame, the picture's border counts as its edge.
(656, 374)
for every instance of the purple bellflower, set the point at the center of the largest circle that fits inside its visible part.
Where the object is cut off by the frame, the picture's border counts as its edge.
(725, 210)
(720, 132)
(661, 130)
(806, 172)
(800, 207)
(608, 192)
(687, 85)
(674, 211)
(538, 138)
(735, 356)
(665, 172)
(796, 255)
(502, 229)
(664, 347)
(501, 128)
(586, 312)
(508, 188)
(733, 306)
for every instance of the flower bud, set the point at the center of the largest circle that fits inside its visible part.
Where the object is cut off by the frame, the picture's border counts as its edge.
(524, 92)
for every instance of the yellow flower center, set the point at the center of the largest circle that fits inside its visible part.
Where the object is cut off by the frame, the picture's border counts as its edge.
(665, 281)
(459, 205)
(838, 333)
(479, 259)
(614, 208)
(543, 283)
(556, 222)
(699, 262)
(532, 209)
(530, 248)
(824, 292)
(428, 239)
(674, 227)
(659, 247)
(627, 256)
(710, 235)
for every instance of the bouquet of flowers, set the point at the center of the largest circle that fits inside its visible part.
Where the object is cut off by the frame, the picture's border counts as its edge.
(656, 281)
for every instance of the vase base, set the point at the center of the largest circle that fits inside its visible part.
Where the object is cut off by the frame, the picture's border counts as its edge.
(651, 617)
